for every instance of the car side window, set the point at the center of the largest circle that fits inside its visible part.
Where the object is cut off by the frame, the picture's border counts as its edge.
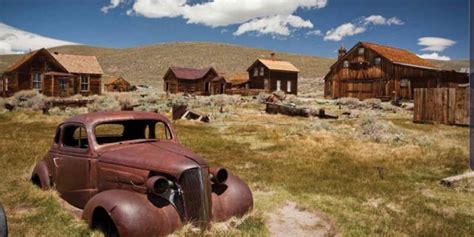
(158, 130)
(75, 136)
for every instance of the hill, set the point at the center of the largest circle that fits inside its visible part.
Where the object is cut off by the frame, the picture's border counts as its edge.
(147, 65)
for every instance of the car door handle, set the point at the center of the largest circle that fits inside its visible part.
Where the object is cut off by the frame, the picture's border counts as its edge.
(55, 161)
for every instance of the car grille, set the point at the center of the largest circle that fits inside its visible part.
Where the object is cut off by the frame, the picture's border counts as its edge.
(197, 195)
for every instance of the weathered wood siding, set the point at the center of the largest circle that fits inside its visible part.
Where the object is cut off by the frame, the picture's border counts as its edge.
(442, 105)
(258, 81)
(364, 79)
(196, 86)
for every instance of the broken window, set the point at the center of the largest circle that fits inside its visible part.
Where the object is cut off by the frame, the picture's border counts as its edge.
(255, 71)
(266, 83)
(404, 82)
(85, 82)
(37, 83)
(346, 64)
(361, 51)
(130, 131)
(75, 136)
(62, 84)
(278, 85)
(288, 86)
(262, 71)
(377, 61)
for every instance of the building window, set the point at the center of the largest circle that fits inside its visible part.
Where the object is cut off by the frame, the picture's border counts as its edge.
(278, 85)
(288, 86)
(361, 51)
(62, 84)
(6, 84)
(1, 85)
(266, 83)
(255, 72)
(37, 85)
(85, 82)
(377, 61)
(404, 82)
(346, 63)
(261, 71)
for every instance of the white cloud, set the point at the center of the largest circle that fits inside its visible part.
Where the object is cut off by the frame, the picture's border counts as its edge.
(347, 29)
(435, 44)
(13, 40)
(263, 16)
(277, 25)
(359, 26)
(434, 56)
(315, 33)
(113, 4)
(380, 20)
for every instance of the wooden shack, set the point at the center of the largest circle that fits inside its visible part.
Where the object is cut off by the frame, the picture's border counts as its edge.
(194, 81)
(53, 74)
(273, 75)
(117, 84)
(371, 70)
(442, 105)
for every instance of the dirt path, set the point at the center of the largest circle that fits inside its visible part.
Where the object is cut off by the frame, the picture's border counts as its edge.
(290, 221)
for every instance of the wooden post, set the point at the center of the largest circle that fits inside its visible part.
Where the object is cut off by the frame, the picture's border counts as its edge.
(52, 85)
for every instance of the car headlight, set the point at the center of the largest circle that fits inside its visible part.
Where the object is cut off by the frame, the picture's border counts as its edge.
(158, 185)
(218, 175)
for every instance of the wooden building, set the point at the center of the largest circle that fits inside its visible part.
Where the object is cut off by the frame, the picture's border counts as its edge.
(273, 75)
(239, 80)
(117, 84)
(371, 70)
(53, 74)
(194, 81)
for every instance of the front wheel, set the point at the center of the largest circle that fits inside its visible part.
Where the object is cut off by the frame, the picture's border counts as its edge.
(103, 222)
(3, 223)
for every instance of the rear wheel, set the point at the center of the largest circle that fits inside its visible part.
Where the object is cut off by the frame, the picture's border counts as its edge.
(103, 222)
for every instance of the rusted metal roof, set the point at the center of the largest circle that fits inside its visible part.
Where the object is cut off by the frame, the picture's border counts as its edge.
(398, 56)
(238, 78)
(71, 63)
(190, 73)
(278, 65)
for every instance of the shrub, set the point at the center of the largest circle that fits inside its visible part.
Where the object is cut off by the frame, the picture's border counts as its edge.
(348, 101)
(104, 103)
(378, 131)
(372, 103)
(27, 99)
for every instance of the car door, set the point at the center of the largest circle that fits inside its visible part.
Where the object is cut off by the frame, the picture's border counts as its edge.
(73, 166)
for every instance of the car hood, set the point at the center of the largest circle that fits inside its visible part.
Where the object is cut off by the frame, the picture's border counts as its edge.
(163, 156)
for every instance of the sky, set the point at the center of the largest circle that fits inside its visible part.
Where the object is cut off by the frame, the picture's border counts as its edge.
(435, 29)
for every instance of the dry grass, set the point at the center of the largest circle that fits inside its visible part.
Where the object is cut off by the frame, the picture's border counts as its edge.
(325, 166)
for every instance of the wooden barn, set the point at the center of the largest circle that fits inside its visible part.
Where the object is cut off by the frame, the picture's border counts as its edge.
(117, 84)
(273, 75)
(53, 74)
(371, 70)
(195, 81)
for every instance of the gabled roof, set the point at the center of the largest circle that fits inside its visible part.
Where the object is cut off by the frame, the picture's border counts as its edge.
(70, 63)
(277, 65)
(79, 63)
(112, 79)
(190, 73)
(393, 55)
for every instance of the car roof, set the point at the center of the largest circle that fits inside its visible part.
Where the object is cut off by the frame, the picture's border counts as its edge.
(100, 117)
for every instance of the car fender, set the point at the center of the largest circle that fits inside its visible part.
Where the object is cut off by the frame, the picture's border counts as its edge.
(233, 198)
(133, 213)
(41, 170)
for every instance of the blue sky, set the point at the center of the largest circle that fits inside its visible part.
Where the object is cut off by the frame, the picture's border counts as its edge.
(441, 26)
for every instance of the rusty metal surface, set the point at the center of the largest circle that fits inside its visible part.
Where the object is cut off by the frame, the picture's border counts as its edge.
(147, 188)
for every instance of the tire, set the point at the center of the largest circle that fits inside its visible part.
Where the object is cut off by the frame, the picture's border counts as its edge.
(3, 223)
(103, 222)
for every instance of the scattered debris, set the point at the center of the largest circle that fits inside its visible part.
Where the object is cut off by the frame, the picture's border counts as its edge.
(62, 104)
(450, 181)
(292, 110)
(182, 112)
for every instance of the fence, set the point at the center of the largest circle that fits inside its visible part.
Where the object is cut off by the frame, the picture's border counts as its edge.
(442, 105)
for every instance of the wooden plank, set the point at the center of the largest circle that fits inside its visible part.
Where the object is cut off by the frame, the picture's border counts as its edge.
(451, 105)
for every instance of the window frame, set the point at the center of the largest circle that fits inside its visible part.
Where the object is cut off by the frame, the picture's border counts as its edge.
(361, 51)
(6, 84)
(82, 82)
(63, 84)
(278, 85)
(255, 71)
(345, 63)
(377, 61)
(36, 81)
(74, 149)
(288, 86)
(262, 71)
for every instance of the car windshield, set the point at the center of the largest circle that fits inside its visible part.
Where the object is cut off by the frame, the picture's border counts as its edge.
(131, 131)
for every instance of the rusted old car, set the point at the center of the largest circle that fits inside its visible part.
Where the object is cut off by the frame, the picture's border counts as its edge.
(131, 176)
